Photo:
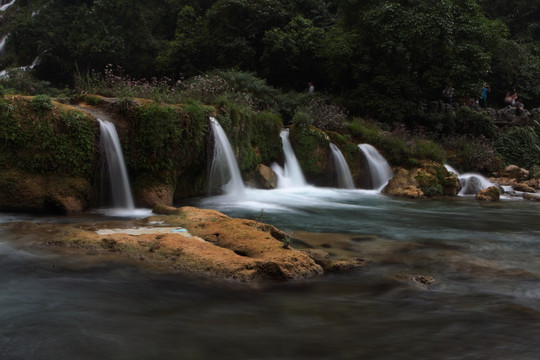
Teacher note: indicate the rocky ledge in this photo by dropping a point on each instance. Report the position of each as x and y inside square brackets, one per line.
[186, 240]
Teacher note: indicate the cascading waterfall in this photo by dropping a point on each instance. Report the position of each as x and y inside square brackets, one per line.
[379, 169]
[118, 177]
[344, 177]
[3, 44]
[291, 175]
[5, 6]
[470, 183]
[224, 171]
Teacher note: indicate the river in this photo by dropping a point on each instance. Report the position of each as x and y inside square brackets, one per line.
[484, 303]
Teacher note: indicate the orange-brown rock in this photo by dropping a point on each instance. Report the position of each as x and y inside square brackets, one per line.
[492, 193]
[403, 184]
[515, 172]
[523, 187]
[190, 240]
[36, 192]
[265, 178]
[152, 196]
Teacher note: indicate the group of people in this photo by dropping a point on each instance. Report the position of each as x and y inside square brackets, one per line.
[511, 97]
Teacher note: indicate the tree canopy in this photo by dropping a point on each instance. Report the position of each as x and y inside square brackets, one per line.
[380, 58]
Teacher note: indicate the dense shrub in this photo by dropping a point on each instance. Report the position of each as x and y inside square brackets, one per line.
[41, 104]
[520, 146]
[475, 123]
[468, 153]
[324, 115]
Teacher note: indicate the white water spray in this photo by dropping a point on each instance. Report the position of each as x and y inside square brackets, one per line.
[224, 171]
[5, 7]
[344, 177]
[471, 183]
[291, 175]
[379, 168]
[118, 177]
[3, 44]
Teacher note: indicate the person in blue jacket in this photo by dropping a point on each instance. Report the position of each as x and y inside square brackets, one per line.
[483, 95]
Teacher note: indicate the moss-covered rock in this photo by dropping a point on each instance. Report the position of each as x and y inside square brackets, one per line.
[431, 179]
[47, 155]
[492, 193]
[312, 149]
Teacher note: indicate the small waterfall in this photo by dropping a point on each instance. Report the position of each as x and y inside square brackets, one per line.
[470, 183]
[224, 171]
[118, 177]
[5, 7]
[344, 177]
[3, 44]
[379, 168]
[291, 175]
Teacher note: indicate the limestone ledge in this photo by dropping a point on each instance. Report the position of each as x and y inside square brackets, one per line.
[202, 242]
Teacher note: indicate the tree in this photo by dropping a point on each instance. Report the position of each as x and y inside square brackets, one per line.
[387, 56]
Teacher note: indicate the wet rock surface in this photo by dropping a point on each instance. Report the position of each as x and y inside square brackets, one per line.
[187, 240]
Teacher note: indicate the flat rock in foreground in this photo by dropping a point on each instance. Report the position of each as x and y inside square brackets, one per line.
[190, 240]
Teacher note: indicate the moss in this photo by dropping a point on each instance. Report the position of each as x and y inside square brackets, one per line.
[311, 147]
[433, 179]
[60, 141]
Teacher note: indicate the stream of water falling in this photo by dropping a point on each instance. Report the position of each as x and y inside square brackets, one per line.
[344, 178]
[7, 5]
[224, 172]
[471, 183]
[3, 44]
[117, 176]
[291, 175]
[379, 168]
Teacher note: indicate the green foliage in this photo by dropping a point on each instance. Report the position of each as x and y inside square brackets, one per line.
[389, 55]
[469, 121]
[41, 104]
[429, 184]
[520, 146]
[363, 131]
[324, 115]
[311, 146]
[471, 154]
[56, 143]
[427, 149]
[92, 100]
[265, 136]
[156, 141]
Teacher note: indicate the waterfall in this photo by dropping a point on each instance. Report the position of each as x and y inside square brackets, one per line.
[4, 7]
[118, 177]
[344, 177]
[470, 183]
[3, 44]
[291, 175]
[379, 168]
[224, 171]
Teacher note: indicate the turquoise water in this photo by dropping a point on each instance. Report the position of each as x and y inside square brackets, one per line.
[485, 303]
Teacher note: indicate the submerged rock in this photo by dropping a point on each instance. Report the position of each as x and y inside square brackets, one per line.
[421, 281]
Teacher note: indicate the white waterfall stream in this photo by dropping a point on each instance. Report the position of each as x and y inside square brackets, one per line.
[344, 177]
[379, 168]
[224, 172]
[117, 172]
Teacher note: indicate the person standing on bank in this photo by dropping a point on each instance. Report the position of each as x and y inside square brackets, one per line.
[311, 88]
[483, 95]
